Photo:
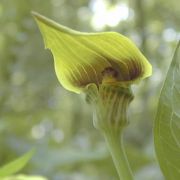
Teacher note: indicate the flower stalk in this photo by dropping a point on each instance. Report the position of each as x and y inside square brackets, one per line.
[116, 147]
[110, 103]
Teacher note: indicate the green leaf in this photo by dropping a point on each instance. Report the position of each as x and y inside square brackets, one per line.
[80, 58]
[16, 165]
[167, 122]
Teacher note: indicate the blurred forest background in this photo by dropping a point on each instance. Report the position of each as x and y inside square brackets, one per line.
[35, 111]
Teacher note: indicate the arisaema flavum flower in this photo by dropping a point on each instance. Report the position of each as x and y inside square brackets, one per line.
[97, 62]
[101, 65]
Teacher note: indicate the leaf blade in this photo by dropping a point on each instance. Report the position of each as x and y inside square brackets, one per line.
[167, 122]
[16, 164]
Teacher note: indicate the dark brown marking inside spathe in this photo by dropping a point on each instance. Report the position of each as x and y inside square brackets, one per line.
[116, 71]
[110, 71]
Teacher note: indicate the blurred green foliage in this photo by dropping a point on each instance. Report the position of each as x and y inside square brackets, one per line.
[35, 111]
[15, 165]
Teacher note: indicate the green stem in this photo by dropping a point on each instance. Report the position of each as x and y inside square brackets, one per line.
[116, 149]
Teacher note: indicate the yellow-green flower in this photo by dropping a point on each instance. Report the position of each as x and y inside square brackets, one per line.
[103, 65]
[85, 58]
